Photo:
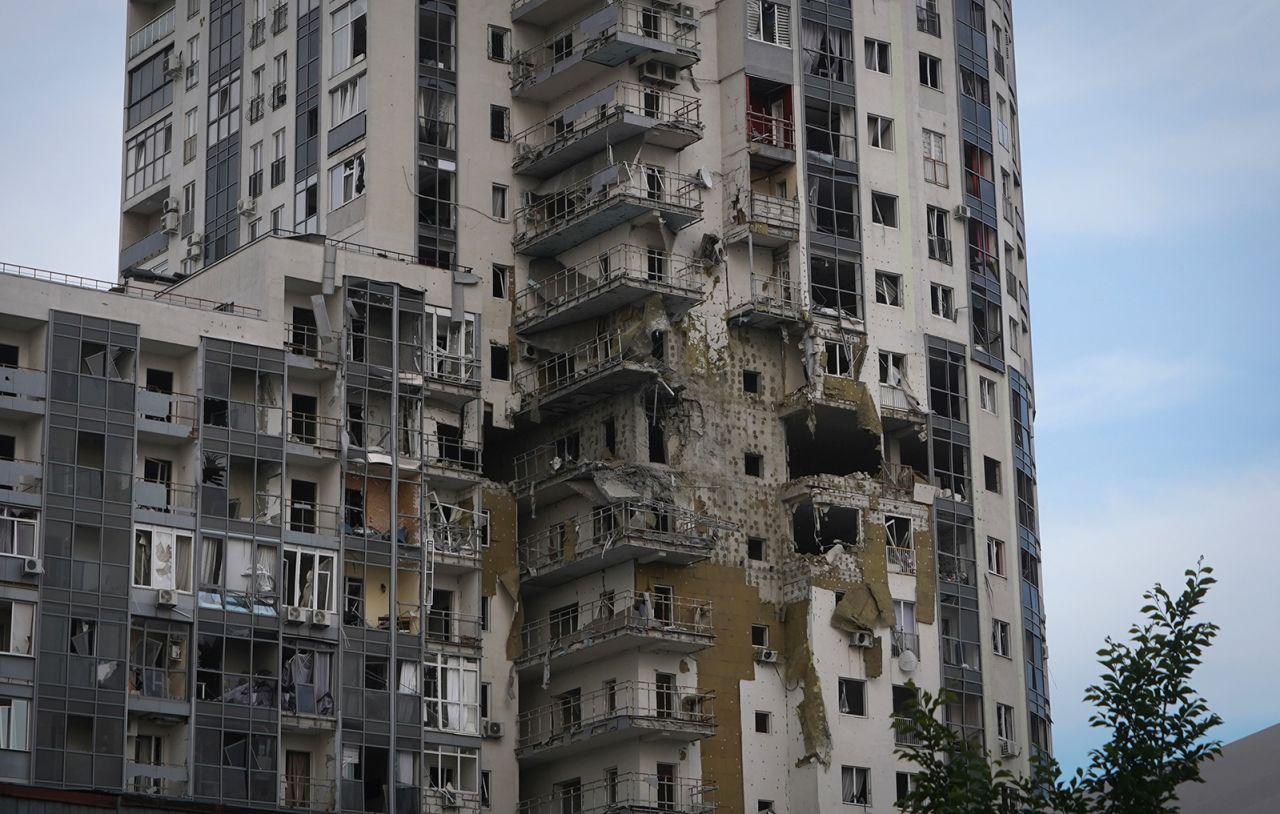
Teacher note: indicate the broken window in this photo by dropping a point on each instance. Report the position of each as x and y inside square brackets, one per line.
[889, 289]
[346, 181]
[942, 301]
[753, 464]
[501, 279]
[84, 633]
[1004, 723]
[853, 697]
[939, 235]
[836, 287]
[450, 693]
[901, 544]
[500, 362]
[1026, 491]
[935, 158]
[760, 636]
[947, 396]
[987, 395]
[884, 209]
[816, 530]
[309, 579]
[975, 87]
[829, 130]
[764, 722]
[17, 626]
[1000, 638]
[930, 71]
[162, 559]
[839, 359]
[499, 43]
[750, 381]
[951, 468]
[991, 474]
[956, 556]
[879, 132]
[755, 548]
[348, 38]
[834, 198]
[499, 123]
[995, 556]
[893, 368]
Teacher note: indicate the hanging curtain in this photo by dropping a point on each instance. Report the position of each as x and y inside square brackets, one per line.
[211, 561]
[811, 41]
[848, 149]
[323, 676]
[470, 722]
[848, 785]
[451, 674]
[22, 617]
[162, 561]
[182, 560]
[298, 773]
[408, 677]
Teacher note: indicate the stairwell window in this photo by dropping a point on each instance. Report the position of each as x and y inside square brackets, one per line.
[349, 38]
[769, 21]
[346, 181]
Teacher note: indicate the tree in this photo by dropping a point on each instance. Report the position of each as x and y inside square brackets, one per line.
[1159, 726]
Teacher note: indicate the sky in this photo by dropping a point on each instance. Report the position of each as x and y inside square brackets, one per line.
[1151, 200]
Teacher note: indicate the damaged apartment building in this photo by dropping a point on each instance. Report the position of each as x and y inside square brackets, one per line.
[548, 406]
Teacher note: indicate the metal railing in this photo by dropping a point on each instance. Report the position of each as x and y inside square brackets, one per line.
[544, 461]
[188, 149]
[170, 408]
[902, 560]
[772, 211]
[258, 32]
[626, 611]
[157, 682]
[928, 20]
[940, 249]
[556, 210]
[904, 732]
[279, 94]
[597, 530]
[22, 382]
[451, 627]
[142, 780]
[772, 131]
[628, 17]
[604, 108]
[164, 496]
[279, 18]
[776, 292]
[314, 430]
[76, 281]
[257, 106]
[573, 366]
[152, 32]
[266, 419]
[304, 793]
[304, 340]
[681, 707]
[451, 368]
[904, 642]
[451, 452]
[629, 791]
[309, 517]
[645, 266]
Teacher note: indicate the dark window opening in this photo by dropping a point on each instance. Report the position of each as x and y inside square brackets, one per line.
[755, 548]
[753, 464]
[816, 529]
[751, 381]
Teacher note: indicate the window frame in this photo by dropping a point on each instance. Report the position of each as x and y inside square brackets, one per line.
[996, 557]
[883, 292]
[1001, 638]
[877, 56]
[843, 684]
[351, 170]
[176, 536]
[343, 35]
[930, 71]
[942, 301]
[880, 132]
[884, 208]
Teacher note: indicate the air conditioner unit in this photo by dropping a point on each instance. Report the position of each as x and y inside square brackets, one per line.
[247, 206]
[320, 618]
[687, 11]
[195, 246]
[1010, 748]
[173, 65]
[172, 205]
[294, 615]
[963, 212]
[528, 351]
[765, 656]
[166, 598]
[492, 729]
[861, 638]
[656, 73]
[170, 222]
[31, 566]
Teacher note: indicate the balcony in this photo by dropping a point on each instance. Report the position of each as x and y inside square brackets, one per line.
[619, 532]
[632, 710]
[303, 793]
[141, 251]
[771, 133]
[928, 20]
[609, 116]
[306, 520]
[601, 285]
[548, 466]
[767, 220]
[582, 376]
[165, 418]
[257, 108]
[452, 463]
[156, 779]
[450, 378]
[163, 502]
[627, 621]
[243, 416]
[549, 224]
[258, 32]
[628, 793]
[898, 402]
[904, 642]
[160, 27]
[21, 481]
[774, 301]
[311, 437]
[617, 34]
[446, 627]
[22, 393]
[897, 476]
[279, 18]
[543, 12]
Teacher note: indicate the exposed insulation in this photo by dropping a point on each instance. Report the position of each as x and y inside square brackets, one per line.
[926, 574]
[499, 564]
[801, 672]
[873, 658]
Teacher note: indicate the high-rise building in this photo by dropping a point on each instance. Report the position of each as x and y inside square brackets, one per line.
[541, 406]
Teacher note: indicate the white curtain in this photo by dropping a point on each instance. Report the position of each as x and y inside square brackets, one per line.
[211, 561]
[408, 682]
[21, 622]
[470, 721]
[848, 785]
[811, 42]
[848, 130]
[162, 560]
[451, 676]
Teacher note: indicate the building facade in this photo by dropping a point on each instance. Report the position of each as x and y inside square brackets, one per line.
[547, 406]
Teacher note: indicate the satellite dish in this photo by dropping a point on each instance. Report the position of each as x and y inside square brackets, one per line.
[908, 662]
[704, 177]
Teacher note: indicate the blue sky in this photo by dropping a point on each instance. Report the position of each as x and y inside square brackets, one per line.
[1152, 183]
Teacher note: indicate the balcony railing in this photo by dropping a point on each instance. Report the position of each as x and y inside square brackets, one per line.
[243, 416]
[91, 284]
[169, 408]
[771, 131]
[899, 476]
[451, 627]
[904, 642]
[309, 517]
[157, 779]
[279, 94]
[279, 18]
[454, 540]
[902, 560]
[542, 462]
[164, 497]
[550, 223]
[775, 299]
[257, 106]
[258, 32]
[622, 267]
[157, 682]
[23, 383]
[304, 340]
[928, 20]
[307, 794]
[456, 369]
[904, 732]
[630, 791]
[309, 429]
[768, 216]
[160, 27]
[608, 116]
[649, 706]
[646, 524]
[452, 453]
[553, 376]
[627, 612]
[597, 40]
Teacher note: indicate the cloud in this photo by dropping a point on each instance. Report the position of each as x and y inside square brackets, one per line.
[1098, 562]
[1116, 385]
